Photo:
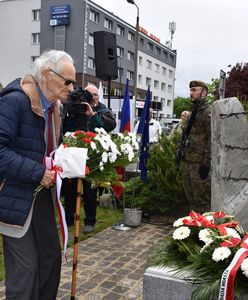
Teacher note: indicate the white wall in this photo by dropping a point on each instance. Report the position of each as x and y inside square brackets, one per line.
[16, 27]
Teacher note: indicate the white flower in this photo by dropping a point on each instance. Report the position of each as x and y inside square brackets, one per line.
[209, 218]
[179, 222]
[221, 253]
[112, 157]
[121, 135]
[93, 145]
[101, 166]
[181, 233]
[232, 232]
[205, 235]
[244, 267]
[70, 135]
[105, 157]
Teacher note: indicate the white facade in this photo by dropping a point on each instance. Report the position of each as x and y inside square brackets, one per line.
[19, 32]
[160, 77]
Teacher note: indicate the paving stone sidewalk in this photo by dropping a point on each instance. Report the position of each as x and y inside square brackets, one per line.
[111, 264]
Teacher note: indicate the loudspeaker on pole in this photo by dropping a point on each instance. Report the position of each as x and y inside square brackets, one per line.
[105, 55]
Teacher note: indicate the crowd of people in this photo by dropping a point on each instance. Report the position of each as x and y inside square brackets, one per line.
[35, 111]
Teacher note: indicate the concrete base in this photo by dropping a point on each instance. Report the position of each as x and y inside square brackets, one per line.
[163, 284]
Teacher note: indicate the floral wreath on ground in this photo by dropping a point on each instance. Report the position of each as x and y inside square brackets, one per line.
[213, 248]
[105, 152]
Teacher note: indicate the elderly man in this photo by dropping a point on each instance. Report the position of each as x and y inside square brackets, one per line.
[29, 130]
[195, 147]
[95, 115]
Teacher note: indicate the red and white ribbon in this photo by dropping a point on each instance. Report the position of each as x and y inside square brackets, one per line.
[49, 164]
[228, 276]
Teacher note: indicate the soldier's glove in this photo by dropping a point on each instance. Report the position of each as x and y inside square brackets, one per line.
[203, 171]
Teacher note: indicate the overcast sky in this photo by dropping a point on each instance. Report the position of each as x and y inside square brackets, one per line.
[210, 34]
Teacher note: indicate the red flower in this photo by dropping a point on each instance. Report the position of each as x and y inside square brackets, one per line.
[76, 133]
[219, 214]
[65, 145]
[230, 243]
[90, 134]
[87, 170]
[86, 140]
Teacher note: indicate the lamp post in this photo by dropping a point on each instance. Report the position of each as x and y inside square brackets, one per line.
[135, 55]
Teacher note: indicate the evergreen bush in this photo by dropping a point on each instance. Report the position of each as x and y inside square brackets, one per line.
[163, 189]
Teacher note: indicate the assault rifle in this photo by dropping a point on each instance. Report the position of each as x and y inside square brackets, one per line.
[180, 151]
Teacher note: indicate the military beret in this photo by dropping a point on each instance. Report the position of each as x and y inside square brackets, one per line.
[195, 83]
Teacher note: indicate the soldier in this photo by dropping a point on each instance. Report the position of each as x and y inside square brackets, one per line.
[194, 150]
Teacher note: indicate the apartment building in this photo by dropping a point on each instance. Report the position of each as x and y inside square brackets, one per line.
[20, 37]
[69, 25]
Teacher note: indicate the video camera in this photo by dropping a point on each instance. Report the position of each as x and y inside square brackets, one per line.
[76, 101]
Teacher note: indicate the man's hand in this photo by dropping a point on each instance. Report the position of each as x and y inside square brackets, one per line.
[48, 179]
[89, 111]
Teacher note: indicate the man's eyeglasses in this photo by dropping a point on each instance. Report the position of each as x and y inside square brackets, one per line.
[67, 81]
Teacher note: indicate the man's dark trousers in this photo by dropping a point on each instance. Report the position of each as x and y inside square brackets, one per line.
[89, 200]
[33, 262]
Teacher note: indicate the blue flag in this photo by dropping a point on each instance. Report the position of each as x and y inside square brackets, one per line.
[143, 129]
[125, 112]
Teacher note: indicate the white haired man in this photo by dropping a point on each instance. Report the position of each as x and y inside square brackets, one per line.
[29, 130]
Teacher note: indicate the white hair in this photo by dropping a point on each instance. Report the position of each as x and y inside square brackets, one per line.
[50, 59]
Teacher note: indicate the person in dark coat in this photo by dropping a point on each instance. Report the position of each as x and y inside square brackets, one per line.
[95, 115]
[30, 121]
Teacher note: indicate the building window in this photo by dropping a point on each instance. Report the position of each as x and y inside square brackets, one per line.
[117, 92]
[91, 63]
[140, 60]
[140, 79]
[155, 98]
[141, 42]
[158, 51]
[149, 64]
[91, 39]
[170, 89]
[35, 38]
[171, 58]
[120, 51]
[94, 16]
[164, 71]
[120, 30]
[148, 81]
[33, 58]
[36, 14]
[157, 68]
[163, 86]
[150, 47]
[169, 102]
[156, 84]
[120, 72]
[130, 55]
[131, 36]
[108, 24]
[170, 74]
[165, 54]
[130, 75]
[105, 90]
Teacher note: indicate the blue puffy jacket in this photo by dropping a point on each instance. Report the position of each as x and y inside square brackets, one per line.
[22, 149]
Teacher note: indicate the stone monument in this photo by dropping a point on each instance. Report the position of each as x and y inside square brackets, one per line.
[229, 177]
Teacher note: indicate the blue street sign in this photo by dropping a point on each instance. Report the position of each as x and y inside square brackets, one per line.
[60, 10]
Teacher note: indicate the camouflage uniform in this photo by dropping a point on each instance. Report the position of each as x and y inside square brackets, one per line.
[197, 160]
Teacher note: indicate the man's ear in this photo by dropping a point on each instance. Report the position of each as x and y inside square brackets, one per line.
[45, 75]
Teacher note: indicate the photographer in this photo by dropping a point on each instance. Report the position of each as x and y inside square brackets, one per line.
[84, 112]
